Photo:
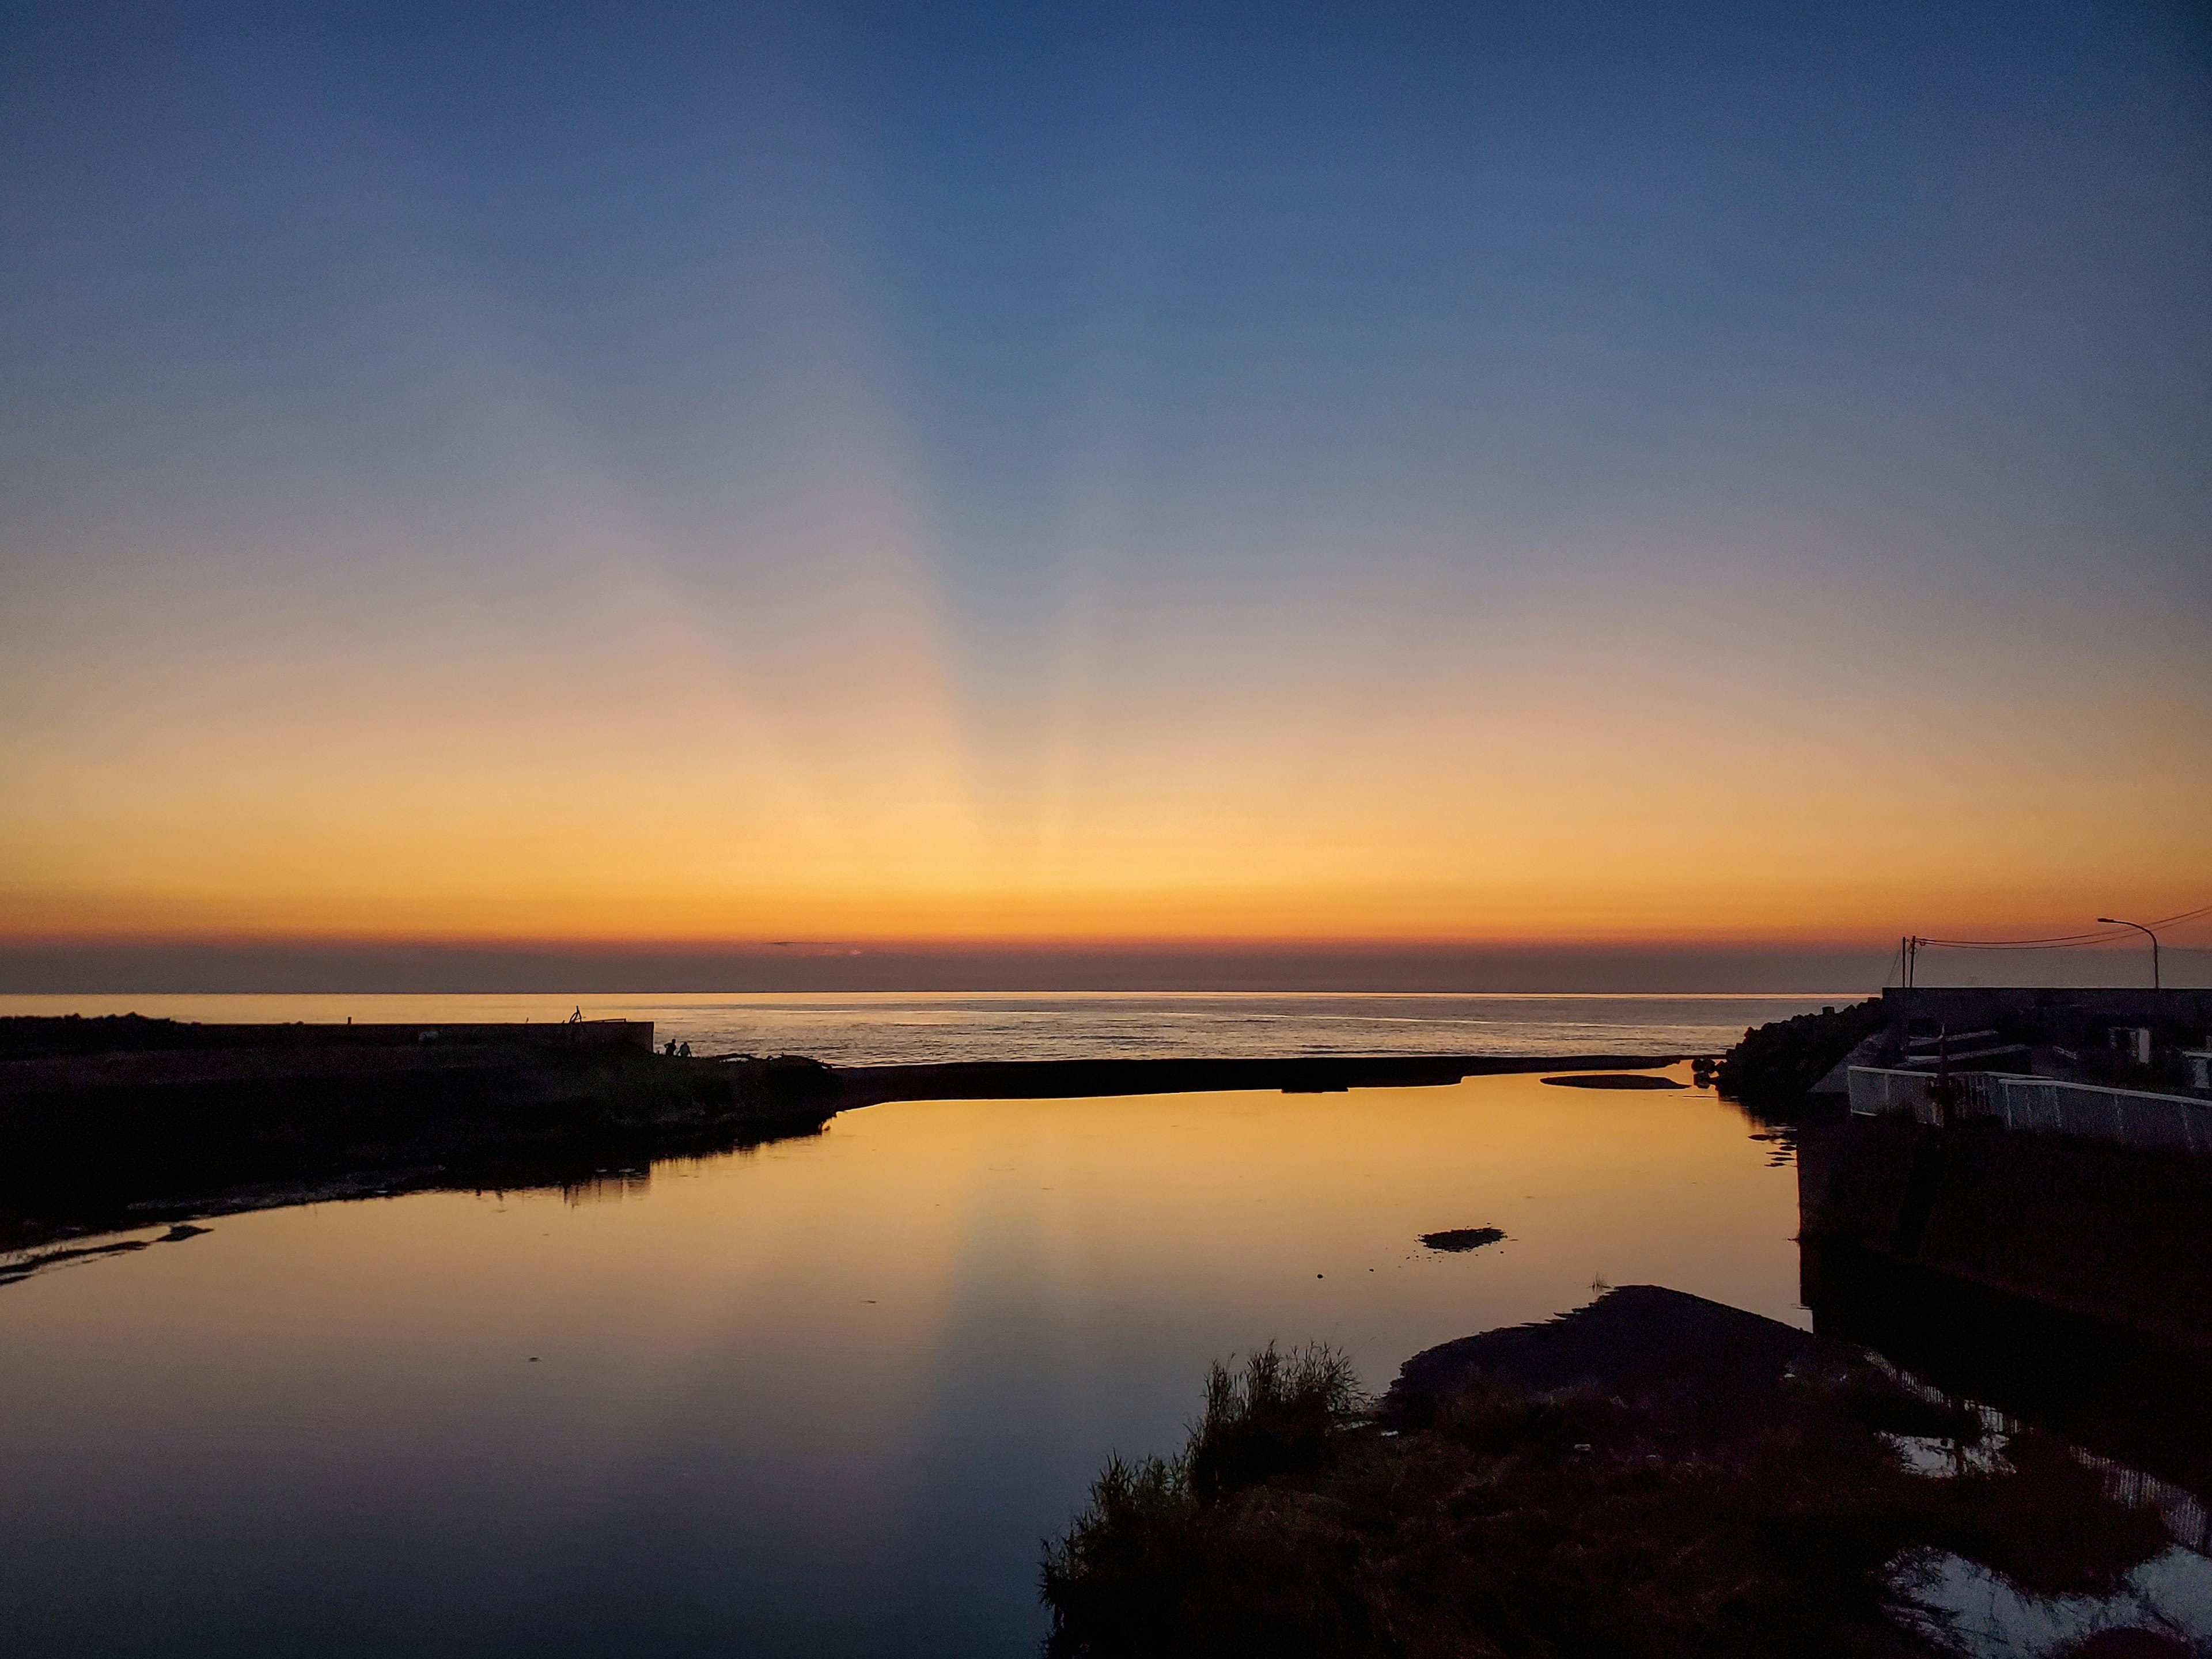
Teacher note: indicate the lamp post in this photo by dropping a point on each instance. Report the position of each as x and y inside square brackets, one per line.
[2114, 921]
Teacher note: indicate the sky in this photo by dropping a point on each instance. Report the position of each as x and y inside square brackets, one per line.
[1060, 478]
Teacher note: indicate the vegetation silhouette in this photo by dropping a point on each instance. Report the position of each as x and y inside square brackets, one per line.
[1593, 1520]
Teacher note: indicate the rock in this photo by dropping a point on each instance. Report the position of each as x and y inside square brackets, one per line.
[1463, 1238]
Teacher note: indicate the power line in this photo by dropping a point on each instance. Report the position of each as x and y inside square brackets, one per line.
[2062, 941]
[1895, 970]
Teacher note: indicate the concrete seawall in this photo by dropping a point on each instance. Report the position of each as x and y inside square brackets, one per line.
[2106, 1231]
[2068, 1284]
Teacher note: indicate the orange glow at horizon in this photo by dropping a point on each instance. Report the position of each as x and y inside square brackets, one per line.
[1182, 545]
[659, 789]
[612, 740]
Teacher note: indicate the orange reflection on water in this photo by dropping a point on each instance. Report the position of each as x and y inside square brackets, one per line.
[790, 1399]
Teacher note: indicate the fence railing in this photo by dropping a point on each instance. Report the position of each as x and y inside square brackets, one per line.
[1876, 1092]
[2042, 1105]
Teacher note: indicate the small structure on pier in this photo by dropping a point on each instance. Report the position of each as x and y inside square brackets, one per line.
[2093, 1063]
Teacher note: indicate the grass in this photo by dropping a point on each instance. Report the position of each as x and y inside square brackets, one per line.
[1551, 1526]
[1132, 1575]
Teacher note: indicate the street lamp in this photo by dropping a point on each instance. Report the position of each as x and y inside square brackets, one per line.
[2114, 921]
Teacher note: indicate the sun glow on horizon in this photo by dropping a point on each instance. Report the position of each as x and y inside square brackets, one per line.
[803, 523]
[673, 796]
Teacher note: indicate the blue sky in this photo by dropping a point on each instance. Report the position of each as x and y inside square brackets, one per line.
[1031, 388]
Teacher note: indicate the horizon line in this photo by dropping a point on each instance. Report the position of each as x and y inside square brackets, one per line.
[297, 967]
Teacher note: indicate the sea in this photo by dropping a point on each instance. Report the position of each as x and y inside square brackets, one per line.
[892, 1029]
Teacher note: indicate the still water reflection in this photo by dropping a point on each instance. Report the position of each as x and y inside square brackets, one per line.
[822, 1398]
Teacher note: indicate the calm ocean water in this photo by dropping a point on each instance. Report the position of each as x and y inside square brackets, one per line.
[884, 1027]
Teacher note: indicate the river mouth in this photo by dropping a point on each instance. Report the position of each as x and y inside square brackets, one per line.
[823, 1396]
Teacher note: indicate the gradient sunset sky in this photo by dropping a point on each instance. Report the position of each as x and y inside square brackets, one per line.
[1514, 475]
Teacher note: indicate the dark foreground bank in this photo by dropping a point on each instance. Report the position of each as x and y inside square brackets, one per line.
[124, 1121]
[1654, 1475]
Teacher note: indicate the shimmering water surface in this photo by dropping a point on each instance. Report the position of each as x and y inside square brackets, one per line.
[823, 1398]
[883, 1027]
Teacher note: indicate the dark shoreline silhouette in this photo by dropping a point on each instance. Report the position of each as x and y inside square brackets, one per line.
[122, 1123]
[1652, 1474]
[1045, 1079]
[1656, 1473]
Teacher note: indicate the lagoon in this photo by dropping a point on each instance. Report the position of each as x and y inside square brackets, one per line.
[824, 1397]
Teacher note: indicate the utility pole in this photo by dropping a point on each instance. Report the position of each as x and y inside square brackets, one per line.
[2114, 921]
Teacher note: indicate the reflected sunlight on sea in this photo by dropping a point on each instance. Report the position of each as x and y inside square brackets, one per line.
[886, 1028]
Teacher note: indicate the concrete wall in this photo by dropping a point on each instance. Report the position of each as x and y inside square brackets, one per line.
[2107, 1230]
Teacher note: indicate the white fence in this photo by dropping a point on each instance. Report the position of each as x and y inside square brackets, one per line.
[1876, 1092]
[2040, 1105]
